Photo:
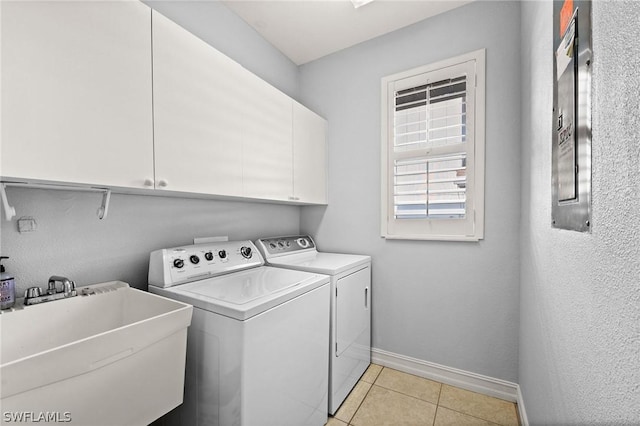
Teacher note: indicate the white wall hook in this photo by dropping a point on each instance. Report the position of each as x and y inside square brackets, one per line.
[9, 211]
[104, 207]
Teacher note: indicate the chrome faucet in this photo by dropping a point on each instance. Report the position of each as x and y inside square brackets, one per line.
[34, 295]
[68, 286]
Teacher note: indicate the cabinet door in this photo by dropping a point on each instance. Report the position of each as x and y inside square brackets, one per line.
[76, 92]
[267, 167]
[309, 156]
[197, 113]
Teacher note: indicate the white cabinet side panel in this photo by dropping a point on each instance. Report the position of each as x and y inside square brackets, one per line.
[309, 155]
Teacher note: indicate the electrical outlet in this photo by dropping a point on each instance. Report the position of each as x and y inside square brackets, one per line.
[27, 224]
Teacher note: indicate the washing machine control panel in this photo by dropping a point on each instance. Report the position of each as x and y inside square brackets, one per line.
[278, 246]
[179, 265]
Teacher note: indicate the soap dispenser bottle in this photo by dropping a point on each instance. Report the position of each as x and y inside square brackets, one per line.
[7, 287]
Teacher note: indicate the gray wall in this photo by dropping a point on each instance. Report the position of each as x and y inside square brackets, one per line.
[214, 23]
[450, 303]
[71, 241]
[580, 298]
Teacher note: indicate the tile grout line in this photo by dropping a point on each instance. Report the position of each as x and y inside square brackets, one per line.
[435, 416]
[360, 405]
[365, 395]
[406, 394]
[471, 415]
[475, 416]
[438, 402]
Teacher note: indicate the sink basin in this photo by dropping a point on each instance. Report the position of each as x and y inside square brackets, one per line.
[112, 357]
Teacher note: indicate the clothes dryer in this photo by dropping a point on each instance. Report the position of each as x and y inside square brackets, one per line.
[350, 330]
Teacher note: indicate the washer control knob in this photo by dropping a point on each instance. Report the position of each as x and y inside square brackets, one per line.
[209, 256]
[303, 242]
[194, 259]
[222, 254]
[246, 252]
[178, 263]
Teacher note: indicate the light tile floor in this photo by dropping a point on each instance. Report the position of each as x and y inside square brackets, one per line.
[387, 397]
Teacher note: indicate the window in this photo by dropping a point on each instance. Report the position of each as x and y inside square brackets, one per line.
[433, 151]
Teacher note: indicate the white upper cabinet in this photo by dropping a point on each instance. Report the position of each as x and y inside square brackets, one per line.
[76, 92]
[309, 156]
[111, 94]
[197, 113]
[267, 167]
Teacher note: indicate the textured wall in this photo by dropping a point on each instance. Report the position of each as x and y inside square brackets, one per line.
[446, 302]
[71, 241]
[580, 297]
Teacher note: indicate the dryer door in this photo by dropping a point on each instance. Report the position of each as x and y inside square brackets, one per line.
[353, 314]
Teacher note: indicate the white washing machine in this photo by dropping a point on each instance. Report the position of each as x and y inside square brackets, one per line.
[350, 340]
[256, 347]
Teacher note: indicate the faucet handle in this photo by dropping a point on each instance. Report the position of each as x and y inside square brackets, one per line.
[51, 287]
[32, 292]
[70, 288]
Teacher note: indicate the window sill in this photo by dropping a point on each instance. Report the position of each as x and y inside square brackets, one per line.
[434, 237]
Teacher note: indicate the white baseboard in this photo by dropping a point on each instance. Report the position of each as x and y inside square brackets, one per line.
[485, 385]
[524, 420]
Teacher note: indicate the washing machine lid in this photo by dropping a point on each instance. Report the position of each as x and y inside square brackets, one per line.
[242, 295]
[321, 263]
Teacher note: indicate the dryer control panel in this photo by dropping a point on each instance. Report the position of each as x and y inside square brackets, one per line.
[278, 246]
[179, 265]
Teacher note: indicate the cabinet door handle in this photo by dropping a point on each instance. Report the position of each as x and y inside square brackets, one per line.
[162, 183]
[148, 182]
[366, 297]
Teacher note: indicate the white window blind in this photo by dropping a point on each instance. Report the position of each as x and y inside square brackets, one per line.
[430, 188]
[430, 151]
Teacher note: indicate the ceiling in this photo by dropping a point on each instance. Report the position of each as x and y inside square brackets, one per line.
[305, 30]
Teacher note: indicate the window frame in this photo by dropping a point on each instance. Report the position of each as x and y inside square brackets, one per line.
[471, 228]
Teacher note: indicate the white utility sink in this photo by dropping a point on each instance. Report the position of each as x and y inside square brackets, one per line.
[114, 357]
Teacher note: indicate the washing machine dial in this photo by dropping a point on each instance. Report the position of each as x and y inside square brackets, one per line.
[222, 254]
[303, 242]
[194, 259]
[209, 256]
[178, 263]
[246, 252]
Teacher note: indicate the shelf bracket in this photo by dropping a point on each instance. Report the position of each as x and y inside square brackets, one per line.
[104, 207]
[9, 211]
